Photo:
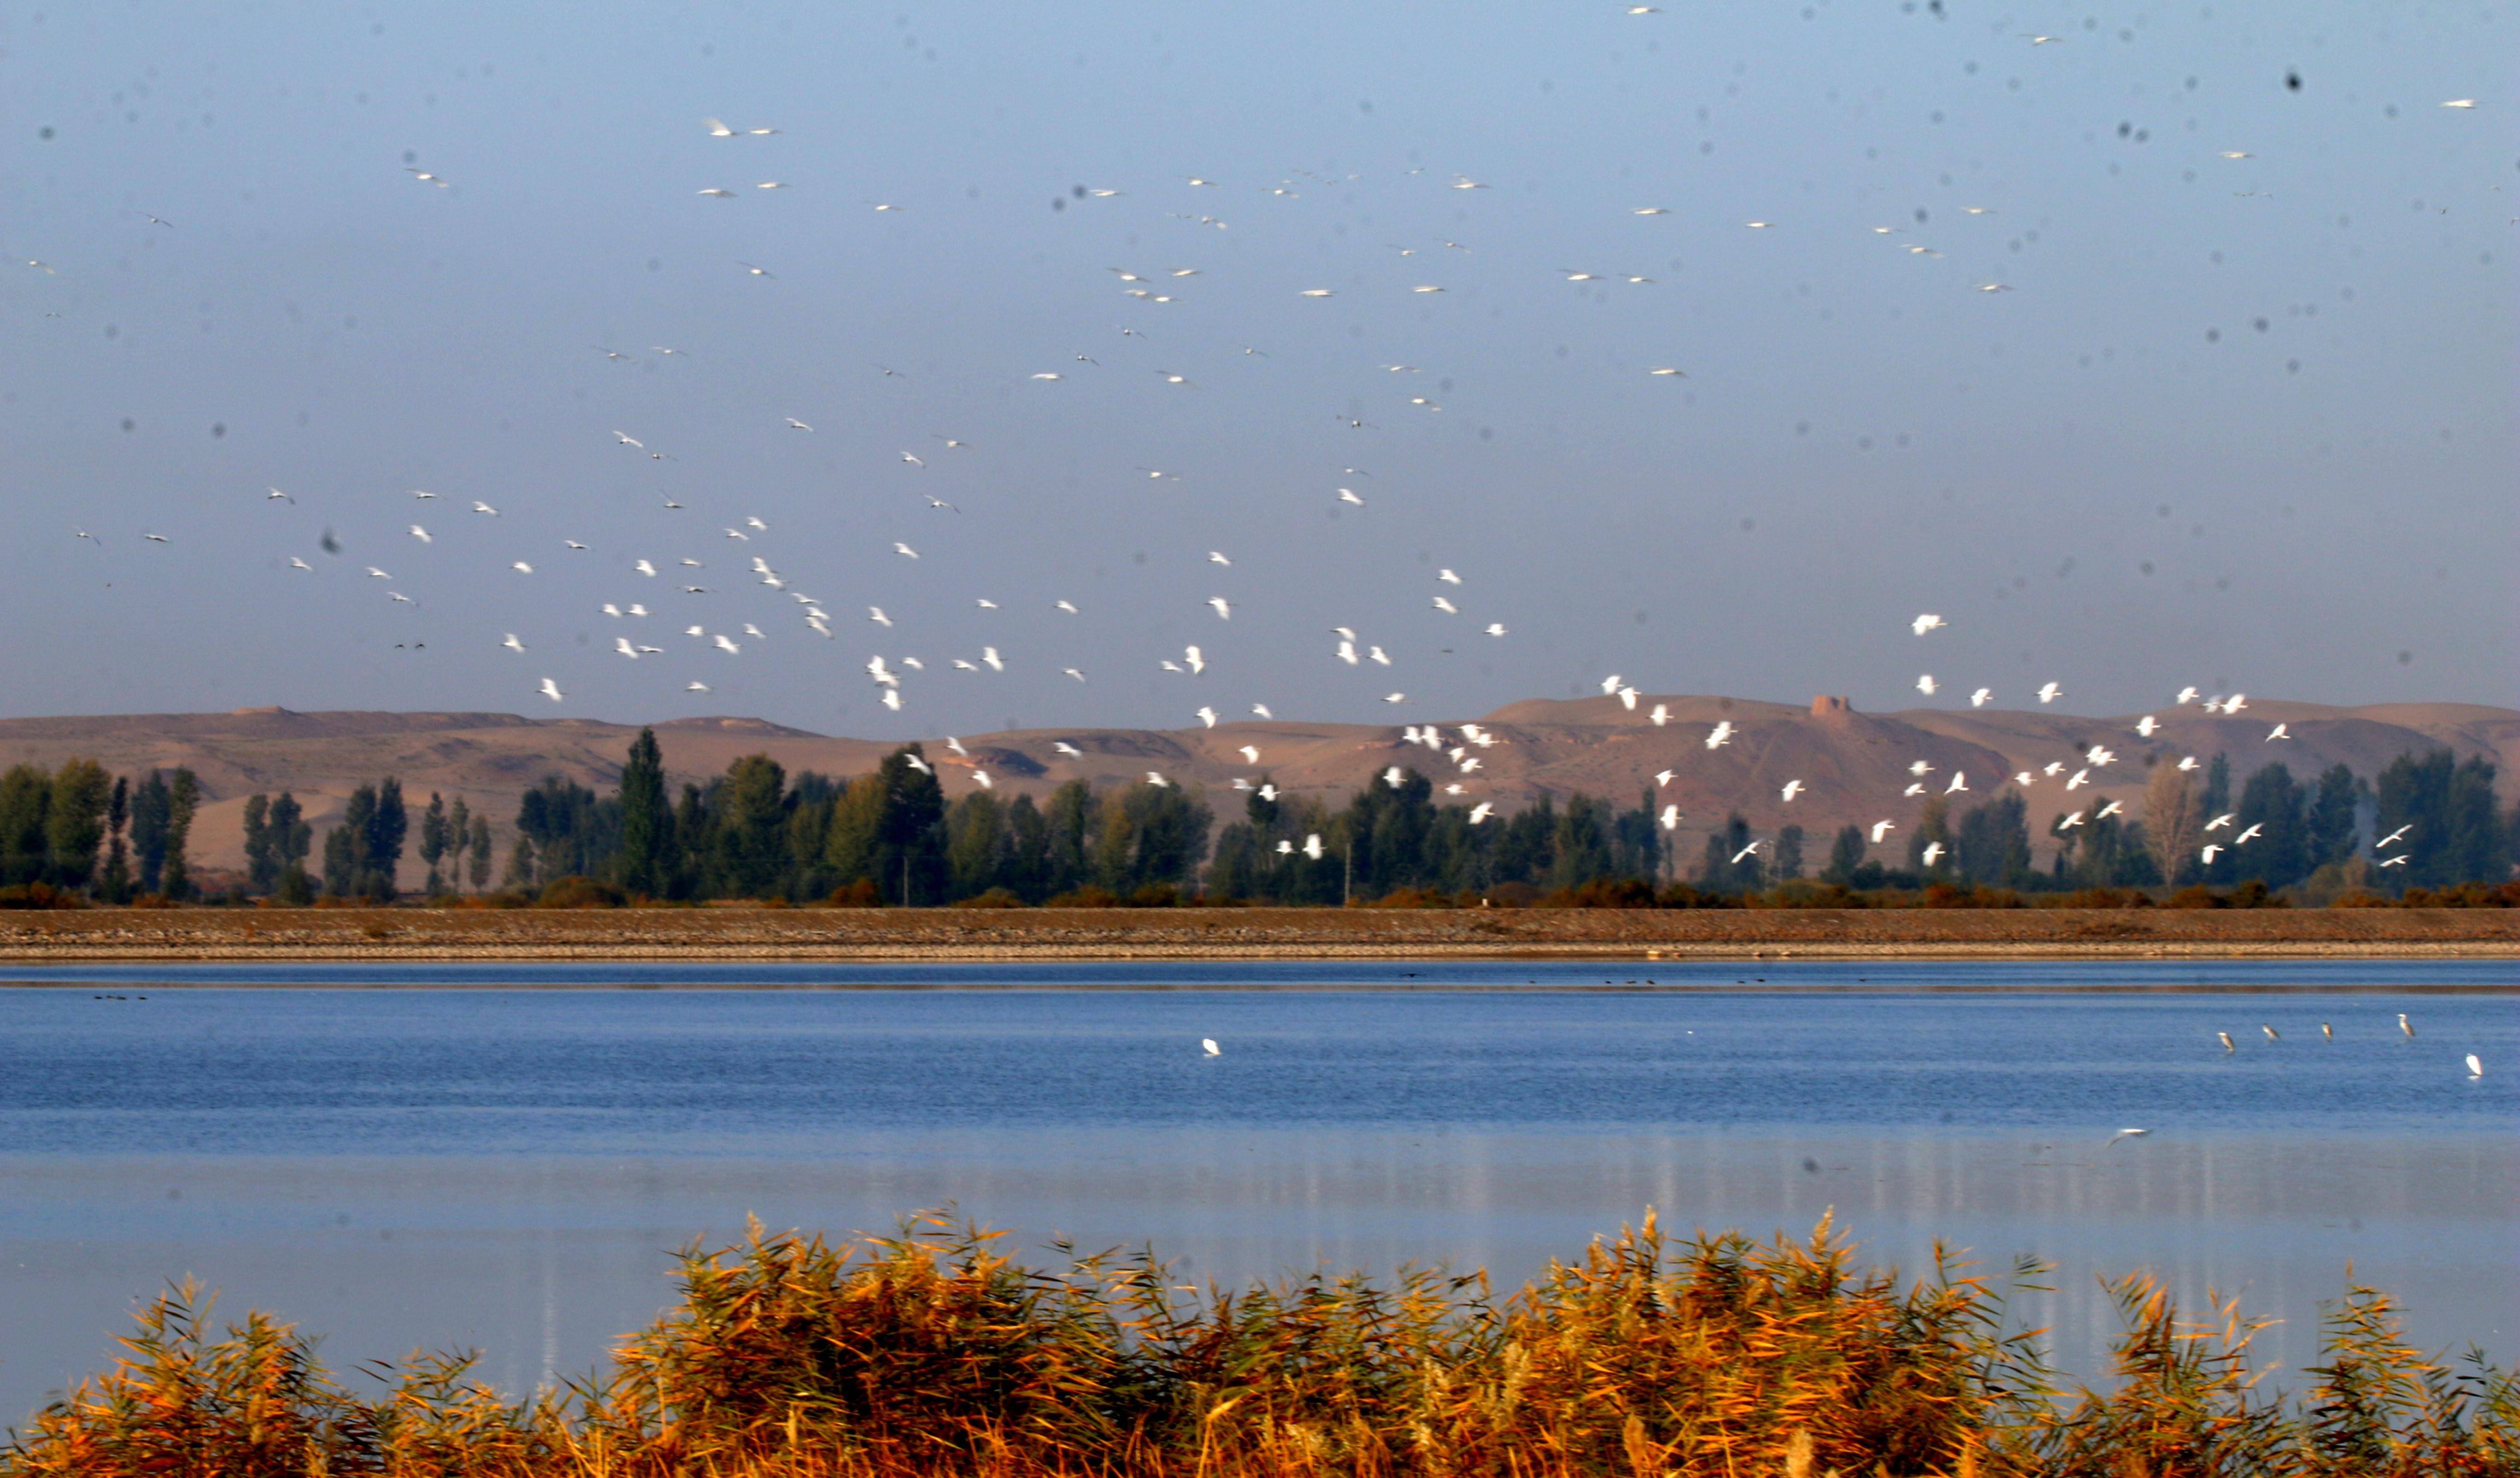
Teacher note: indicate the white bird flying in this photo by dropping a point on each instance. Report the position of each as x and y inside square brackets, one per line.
[2392, 838]
[1793, 787]
[2072, 820]
[420, 534]
[2049, 693]
[1448, 577]
[796, 424]
[904, 550]
[2279, 731]
[1250, 754]
[1223, 607]
[1925, 684]
[1928, 622]
[1661, 714]
[695, 686]
[1981, 697]
[1447, 607]
[1348, 495]
[1721, 735]
[551, 690]
[1067, 749]
[1744, 852]
[2145, 725]
[1496, 628]
[1662, 777]
[1066, 607]
[1882, 829]
[2222, 821]
[511, 644]
[1610, 683]
[1262, 709]
[1156, 777]
[2212, 851]
[521, 568]
[1932, 854]
[1669, 818]
[1959, 782]
[480, 507]
[1482, 812]
[1207, 716]
[2187, 695]
[2186, 762]
[1195, 661]
[2249, 835]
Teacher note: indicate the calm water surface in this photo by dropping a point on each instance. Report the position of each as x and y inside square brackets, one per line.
[455, 1163]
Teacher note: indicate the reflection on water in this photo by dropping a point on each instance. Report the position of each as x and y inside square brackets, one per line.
[511, 1170]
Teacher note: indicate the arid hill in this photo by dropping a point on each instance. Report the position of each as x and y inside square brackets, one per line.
[1854, 766]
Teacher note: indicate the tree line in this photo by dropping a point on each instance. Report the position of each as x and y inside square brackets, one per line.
[891, 838]
[78, 831]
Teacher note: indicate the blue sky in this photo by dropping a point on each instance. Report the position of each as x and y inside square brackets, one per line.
[2234, 422]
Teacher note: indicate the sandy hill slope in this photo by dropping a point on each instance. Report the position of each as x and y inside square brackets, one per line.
[1853, 765]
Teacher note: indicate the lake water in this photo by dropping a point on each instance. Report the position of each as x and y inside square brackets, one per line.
[465, 1162]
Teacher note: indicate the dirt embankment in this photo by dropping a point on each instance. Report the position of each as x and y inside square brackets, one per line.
[874, 934]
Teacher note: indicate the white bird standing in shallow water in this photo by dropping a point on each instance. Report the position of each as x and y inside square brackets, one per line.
[2405, 1025]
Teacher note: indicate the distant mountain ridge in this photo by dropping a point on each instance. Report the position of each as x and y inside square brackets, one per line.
[1854, 766]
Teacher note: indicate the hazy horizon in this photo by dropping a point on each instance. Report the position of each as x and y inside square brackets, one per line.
[2242, 422]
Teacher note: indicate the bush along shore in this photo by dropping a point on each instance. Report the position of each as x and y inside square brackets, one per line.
[932, 1353]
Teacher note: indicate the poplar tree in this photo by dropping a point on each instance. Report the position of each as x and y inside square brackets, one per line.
[81, 792]
[646, 821]
[261, 863]
[183, 798]
[117, 883]
[433, 843]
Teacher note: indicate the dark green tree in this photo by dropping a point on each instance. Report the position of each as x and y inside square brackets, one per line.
[380, 842]
[25, 801]
[1845, 855]
[1790, 853]
[183, 799]
[750, 857]
[261, 865]
[480, 851]
[1992, 846]
[76, 824]
[909, 829]
[115, 884]
[647, 820]
[151, 803]
[432, 844]
[2333, 813]
[290, 838]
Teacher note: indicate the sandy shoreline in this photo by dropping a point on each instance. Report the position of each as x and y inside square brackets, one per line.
[1083, 934]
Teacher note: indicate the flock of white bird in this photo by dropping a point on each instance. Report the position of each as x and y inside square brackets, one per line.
[678, 606]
